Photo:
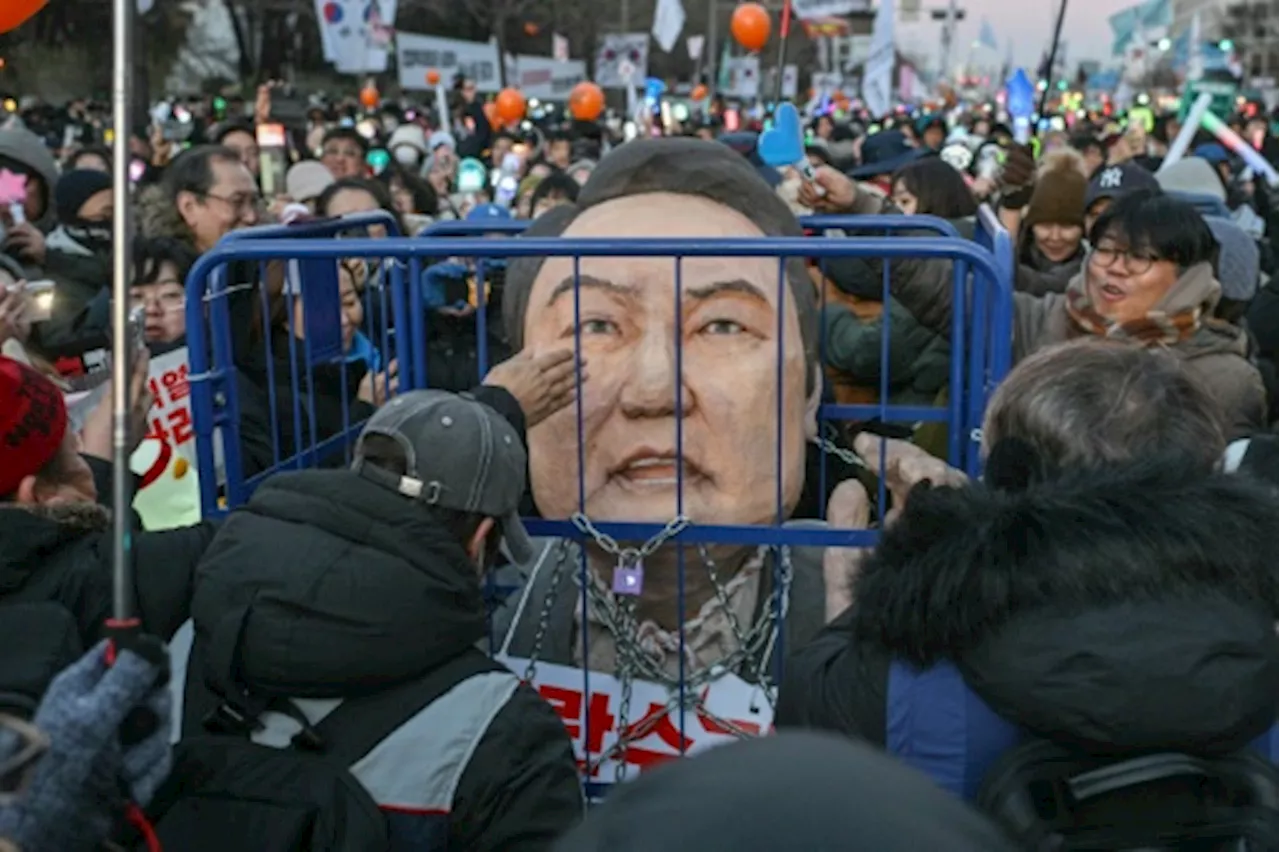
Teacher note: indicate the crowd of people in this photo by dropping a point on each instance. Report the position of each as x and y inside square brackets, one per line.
[1079, 643]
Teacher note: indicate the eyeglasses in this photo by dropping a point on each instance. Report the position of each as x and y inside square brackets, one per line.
[1134, 264]
[239, 203]
[21, 746]
[165, 300]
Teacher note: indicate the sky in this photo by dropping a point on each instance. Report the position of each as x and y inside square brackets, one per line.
[1028, 22]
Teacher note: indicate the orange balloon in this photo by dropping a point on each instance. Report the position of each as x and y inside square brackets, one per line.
[699, 92]
[751, 26]
[586, 101]
[491, 113]
[15, 13]
[510, 104]
[369, 97]
[433, 77]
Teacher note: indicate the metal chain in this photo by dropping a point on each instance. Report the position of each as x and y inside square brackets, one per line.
[617, 614]
[630, 555]
[544, 615]
[847, 456]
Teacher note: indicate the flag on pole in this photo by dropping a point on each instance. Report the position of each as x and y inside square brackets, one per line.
[877, 78]
[668, 22]
[987, 36]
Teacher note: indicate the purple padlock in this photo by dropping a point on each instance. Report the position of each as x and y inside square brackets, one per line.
[628, 578]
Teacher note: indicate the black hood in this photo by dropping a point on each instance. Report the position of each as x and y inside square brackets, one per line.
[30, 536]
[332, 585]
[797, 790]
[1114, 609]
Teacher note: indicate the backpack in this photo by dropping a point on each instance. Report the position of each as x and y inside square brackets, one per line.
[227, 792]
[1051, 799]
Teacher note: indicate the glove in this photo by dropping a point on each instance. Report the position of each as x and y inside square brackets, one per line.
[75, 794]
[1017, 177]
[146, 764]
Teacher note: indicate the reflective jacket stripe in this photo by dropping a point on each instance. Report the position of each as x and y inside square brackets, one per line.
[418, 766]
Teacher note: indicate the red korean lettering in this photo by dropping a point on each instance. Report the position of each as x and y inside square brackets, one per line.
[157, 395]
[599, 721]
[568, 706]
[158, 431]
[175, 381]
[180, 422]
[646, 759]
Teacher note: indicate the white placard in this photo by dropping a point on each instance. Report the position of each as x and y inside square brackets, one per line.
[744, 77]
[545, 79]
[809, 9]
[355, 34]
[619, 48]
[728, 703]
[418, 54]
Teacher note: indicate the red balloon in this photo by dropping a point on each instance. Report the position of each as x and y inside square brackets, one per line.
[433, 77]
[510, 104]
[491, 113]
[369, 97]
[699, 92]
[586, 101]
[15, 13]
[751, 26]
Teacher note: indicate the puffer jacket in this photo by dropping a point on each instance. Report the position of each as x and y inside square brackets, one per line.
[340, 588]
[81, 276]
[1118, 609]
[1216, 352]
[1036, 275]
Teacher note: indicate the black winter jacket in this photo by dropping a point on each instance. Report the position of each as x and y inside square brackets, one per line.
[1115, 609]
[62, 554]
[342, 588]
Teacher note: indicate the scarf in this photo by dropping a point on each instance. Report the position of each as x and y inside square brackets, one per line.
[1156, 328]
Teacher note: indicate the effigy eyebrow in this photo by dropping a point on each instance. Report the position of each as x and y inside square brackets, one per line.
[590, 282]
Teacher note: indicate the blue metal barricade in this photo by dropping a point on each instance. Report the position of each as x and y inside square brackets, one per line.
[980, 290]
[213, 362]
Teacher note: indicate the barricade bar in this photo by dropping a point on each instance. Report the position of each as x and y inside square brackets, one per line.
[778, 536]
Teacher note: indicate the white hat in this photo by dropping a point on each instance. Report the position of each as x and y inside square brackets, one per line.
[306, 180]
[408, 134]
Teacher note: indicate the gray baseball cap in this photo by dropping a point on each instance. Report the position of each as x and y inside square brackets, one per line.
[461, 454]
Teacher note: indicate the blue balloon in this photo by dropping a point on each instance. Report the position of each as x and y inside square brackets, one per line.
[1020, 95]
[654, 88]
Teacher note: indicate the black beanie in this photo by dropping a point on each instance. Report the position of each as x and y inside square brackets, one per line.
[75, 188]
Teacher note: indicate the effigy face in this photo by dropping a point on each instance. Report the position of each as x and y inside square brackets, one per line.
[728, 328]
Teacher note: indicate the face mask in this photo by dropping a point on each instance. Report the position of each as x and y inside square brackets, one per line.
[94, 236]
[406, 156]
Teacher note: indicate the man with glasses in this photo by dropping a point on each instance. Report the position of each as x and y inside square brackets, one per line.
[212, 194]
[343, 153]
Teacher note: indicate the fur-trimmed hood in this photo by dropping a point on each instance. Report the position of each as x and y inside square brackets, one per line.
[159, 217]
[1132, 608]
[28, 534]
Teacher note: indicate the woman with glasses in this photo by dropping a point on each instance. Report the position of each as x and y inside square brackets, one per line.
[160, 267]
[1149, 278]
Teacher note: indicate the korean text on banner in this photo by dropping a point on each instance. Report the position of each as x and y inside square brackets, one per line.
[418, 54]
[545, 79]
[726, 710]
[618, 53]
[169, 495]
[807, 9]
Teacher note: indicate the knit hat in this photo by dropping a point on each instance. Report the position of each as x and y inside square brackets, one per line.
[1058, 197]
[1192, 175]
[305, 181]
[409, 134]
[75, 188]
[1238, 259]
[33, 422]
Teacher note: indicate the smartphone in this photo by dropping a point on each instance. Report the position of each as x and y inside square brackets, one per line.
[137, 168]
[273, 157]
[138, 328]
[41, 293]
